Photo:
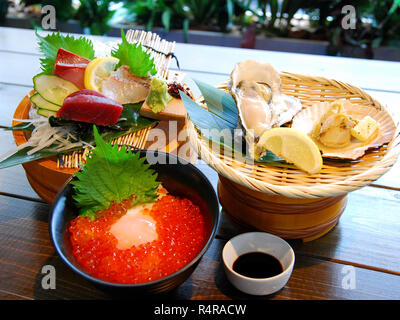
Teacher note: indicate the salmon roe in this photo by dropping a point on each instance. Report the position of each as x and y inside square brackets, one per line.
[180, 229]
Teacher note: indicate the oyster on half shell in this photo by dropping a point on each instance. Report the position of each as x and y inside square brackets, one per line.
[256, 88]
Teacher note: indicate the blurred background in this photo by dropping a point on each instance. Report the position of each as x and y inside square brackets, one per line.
[305, 26]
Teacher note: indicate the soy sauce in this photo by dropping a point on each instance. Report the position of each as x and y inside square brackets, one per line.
[257, 265]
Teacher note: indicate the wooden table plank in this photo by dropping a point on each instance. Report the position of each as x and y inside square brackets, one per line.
[13, 180]
[25, 248]
[368, 74]
[24, 67]
[366, 238]
[10, 96]
[370, 211]
[366, 235]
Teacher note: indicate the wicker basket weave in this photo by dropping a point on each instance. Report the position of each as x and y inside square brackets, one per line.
[335, 178]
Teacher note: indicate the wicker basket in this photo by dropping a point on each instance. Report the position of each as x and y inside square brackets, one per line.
[261, 185]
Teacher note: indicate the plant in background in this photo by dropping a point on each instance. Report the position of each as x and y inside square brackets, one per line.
[180, 14]
[274, 16]
[158, 13]
[95, 15]
[64, 8]
[383, 28]
[243, 13]
[3, 9]
[206, 13]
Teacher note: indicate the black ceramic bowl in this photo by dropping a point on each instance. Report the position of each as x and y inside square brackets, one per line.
[183, 180]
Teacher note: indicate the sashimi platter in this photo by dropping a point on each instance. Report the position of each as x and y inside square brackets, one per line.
[287, 148]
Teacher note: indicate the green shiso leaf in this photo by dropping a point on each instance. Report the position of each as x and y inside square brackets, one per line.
[50, 44]
[132, 54]
[219, 123]
[112, 175]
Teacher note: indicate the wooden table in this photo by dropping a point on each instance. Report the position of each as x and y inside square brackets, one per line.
[365, 243]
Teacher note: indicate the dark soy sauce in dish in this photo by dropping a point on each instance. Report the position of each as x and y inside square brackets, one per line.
[257, 265]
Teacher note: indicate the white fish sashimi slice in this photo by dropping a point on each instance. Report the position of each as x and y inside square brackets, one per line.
[123, 87]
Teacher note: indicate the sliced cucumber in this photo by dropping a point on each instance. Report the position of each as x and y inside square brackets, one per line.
[52, 88]
[46, 113]
[44, 104]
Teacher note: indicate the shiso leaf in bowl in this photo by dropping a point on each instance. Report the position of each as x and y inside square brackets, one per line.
[112, 174]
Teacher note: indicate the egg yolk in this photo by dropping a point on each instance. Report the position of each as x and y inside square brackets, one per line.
[136, 227]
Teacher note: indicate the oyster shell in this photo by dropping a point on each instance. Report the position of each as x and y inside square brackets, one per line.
[309, 121]
[256, 88]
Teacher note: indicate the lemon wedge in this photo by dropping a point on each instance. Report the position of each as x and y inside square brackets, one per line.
[98, 70]
[293, 146]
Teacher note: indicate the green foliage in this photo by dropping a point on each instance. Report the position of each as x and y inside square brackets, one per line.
[132, 55]
[378, 21]
[50, 44]
[112, 175]
[95, 15]
[181, 14]
[384, 28]
[156, 13]
[92, 14]
[275, 16]
[3, 9]
[64, 8]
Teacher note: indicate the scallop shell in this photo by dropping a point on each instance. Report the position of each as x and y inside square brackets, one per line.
[306, 120]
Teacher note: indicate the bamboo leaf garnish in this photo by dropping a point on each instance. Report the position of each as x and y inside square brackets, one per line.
[221, 115]
[132, 122]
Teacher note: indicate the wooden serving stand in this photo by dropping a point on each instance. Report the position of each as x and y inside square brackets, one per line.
[46, 178]
[283, 200]
[288, 218]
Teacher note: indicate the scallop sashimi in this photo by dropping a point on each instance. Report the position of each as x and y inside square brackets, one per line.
[332, 126]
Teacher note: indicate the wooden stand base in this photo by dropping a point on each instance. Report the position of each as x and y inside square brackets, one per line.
[289, 218]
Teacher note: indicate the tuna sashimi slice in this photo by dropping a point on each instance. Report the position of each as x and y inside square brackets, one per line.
[71, 67]
[90, 106]
[67, 57]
